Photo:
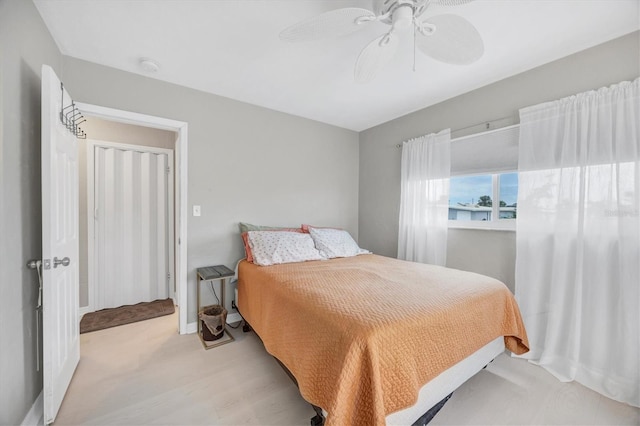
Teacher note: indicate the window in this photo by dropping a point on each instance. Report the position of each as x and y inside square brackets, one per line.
[484, 185]
[471, 200]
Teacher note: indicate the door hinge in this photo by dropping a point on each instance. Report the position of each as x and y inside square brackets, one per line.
[168, 169]
[168, 277]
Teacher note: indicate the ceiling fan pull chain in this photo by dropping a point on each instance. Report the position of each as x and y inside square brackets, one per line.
[414, 48]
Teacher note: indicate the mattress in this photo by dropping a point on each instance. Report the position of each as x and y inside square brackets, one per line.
[363, 335]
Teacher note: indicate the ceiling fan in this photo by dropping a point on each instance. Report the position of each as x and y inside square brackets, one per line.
[447, 38]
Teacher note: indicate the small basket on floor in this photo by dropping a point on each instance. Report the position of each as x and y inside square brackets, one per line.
[213, 319]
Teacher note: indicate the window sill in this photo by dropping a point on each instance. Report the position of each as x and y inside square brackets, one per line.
[483, 226]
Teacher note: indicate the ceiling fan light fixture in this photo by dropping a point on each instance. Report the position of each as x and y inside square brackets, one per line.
[402, 17]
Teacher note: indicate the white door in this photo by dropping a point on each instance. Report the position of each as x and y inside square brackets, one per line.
[132, 226]
[61, 338]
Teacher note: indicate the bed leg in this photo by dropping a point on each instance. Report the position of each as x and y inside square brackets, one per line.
[429, 415]
[318, 419]
[246, 327]
[487, 364]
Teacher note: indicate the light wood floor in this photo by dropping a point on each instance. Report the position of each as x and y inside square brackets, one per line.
[145, 373]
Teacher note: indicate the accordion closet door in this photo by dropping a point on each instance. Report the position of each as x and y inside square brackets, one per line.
[133, 226]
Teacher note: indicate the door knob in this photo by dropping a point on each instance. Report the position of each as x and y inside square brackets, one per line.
[64, 261]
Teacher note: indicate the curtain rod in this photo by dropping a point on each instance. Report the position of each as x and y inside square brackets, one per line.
[487, 125]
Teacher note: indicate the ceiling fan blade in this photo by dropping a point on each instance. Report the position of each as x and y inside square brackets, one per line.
[452, 2]
[334, 23]
[454, 41]
[374, 57]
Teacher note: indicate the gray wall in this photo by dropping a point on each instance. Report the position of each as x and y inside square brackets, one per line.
[111, 131]
[486, 252]
[246, 163]
[599, 66]
[25, 44]
[102, 130]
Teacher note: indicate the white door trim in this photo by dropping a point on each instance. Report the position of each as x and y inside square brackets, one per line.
[181, 176]
[130, 147]
[91, 261]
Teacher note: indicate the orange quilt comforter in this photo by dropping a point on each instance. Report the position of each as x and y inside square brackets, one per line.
[363, 334]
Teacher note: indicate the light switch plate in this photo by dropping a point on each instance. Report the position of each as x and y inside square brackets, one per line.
[196, 210]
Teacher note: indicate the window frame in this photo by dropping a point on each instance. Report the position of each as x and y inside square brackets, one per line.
[493, 224]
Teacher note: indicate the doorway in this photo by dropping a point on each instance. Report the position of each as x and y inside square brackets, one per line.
[130, 242]
[167, 153]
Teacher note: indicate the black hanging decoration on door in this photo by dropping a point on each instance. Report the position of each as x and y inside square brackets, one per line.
[71, 117]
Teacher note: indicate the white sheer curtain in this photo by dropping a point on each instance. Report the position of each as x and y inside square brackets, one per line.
[578, 238]
[424, 198]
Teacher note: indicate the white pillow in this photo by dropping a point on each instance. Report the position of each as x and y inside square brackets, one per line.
[335, 243]
[272, 248]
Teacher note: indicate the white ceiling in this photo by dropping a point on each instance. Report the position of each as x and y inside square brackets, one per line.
[231, 48]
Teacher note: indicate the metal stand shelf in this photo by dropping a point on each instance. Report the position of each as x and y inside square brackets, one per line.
[214, 273]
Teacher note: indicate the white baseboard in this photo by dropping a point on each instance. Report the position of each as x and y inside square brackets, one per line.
[192, 327]
[35, 416]
[84, 310]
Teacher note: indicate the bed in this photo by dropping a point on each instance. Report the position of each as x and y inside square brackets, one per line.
[374, 340]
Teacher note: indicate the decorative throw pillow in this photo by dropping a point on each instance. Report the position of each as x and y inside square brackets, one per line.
[335, 243]
[305, 227]
[275, 247]
[246, 227]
